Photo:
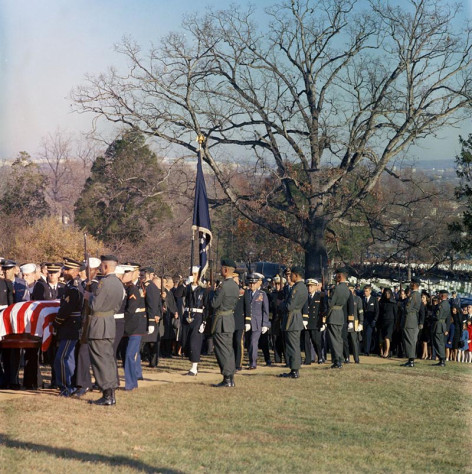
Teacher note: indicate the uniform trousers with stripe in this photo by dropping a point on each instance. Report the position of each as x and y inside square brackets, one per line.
[238, 347]
[64, 363]
[194, 340]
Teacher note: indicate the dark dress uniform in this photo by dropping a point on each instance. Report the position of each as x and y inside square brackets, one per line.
[316, 311]
[153, 304]
[195, 313]
[355, 317]
[6, 299]
[440, 327]
[170, 308]
[256, 314]
[238, 343]
[292, 325]
[104, 303]
[222, 328]
[135, 327]
[336, 319]
[277, 304]
[371, 315]
[67, 325]
[410, 326]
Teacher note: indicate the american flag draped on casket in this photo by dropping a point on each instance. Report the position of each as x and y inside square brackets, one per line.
[31, 317]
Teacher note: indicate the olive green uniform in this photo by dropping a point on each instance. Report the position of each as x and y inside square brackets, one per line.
[292, 323]
[222, 328]
[336, 320]
[440, 328]
[410, 324]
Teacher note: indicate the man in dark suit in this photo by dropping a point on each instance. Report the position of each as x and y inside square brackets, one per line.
[256, 316]
[355, 321]
[371, 315]
[411, 322]
[316, 311]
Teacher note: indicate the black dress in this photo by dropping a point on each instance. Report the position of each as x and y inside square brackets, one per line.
[387, 317]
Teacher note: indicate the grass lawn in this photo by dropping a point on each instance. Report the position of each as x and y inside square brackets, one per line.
[376, 416]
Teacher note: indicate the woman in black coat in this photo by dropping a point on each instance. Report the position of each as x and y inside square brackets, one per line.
[387, 317]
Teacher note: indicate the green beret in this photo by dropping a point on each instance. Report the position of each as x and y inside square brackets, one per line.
[228, 262]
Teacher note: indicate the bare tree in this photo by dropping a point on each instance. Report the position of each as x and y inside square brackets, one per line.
[318, 101]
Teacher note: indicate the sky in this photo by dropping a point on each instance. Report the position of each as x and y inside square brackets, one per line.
[47, 47]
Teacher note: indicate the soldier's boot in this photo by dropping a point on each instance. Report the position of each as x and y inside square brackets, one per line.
[226, 382]
[107, 399]
[410, 363]
[231, 378]
[441, 363]
[294, 374]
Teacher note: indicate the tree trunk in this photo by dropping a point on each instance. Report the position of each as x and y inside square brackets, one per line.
[316, 256]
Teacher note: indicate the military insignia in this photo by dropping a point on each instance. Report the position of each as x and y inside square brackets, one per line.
[259, 298]
[141, 293]
[132, 297]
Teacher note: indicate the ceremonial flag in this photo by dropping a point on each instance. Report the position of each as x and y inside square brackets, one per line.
[32, 317]
[201, 217]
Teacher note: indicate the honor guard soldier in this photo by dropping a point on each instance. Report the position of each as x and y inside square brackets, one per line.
[411, 322]
[238, 342]
[104, 303]
[222, 328]
[194, 320]
[355, 321]
[135, 327]
[337, 317]
[153, 303]
[67, 325]
[295, 321]
[49, 288]
[316, 311]
[440, 319]
[256, 316]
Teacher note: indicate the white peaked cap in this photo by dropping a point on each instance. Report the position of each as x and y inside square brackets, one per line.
[28, 268]
[195, 269]
[120, 270]
[94, 262]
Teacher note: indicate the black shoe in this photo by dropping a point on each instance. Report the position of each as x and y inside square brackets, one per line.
[268, 363]
[321, 361]
[226, 382]
[251, 367]
[238, 369]
[107, 399]
[357, 361]
[81, 392]
[284, 375]
[231, 379]
[336, 365]
[410, 363]
[347, 361]
[294, 374]
[95, 387]
[307, 362]
[441, 363]
[191, 374]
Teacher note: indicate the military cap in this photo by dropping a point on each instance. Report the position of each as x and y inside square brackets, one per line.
[108, 258]
[228, 262]
[148, 270]
[351, 285]
[70, 264]
[94, 262]
[6, 264]
[134, 265]
[416, 280]
[120, 270]
[28, 268]
[53, 267]
[443, 292]
[300, 271]
[128, 268]
[312, 281]
[342, 270]
[195, 269]
[253, 277]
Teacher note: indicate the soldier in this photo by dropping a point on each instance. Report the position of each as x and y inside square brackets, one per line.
[49, 288]
[224, 302]
[337, 317]
[355, 321]
[411, 323]
[440, 320]
[371, 315]
[238, 344]
[104, 303]
[6, 299]
[153, 303]
[256, 316]
[67, 325]
[295, 321]
[194, 320]
[135, 327]
[316, 311]
[277, 302]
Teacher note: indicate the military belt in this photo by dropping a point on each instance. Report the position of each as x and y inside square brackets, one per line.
[103, 314]
[119, 316]
[76, 314]
[140, 310]
[337, 306]
[194, 310]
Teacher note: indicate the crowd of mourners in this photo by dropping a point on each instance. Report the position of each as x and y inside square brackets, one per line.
[289, 319]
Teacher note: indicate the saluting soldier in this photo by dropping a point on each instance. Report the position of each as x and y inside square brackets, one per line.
[224, 302]
[256, 316]
[67, 325]
[411, 323]
[104, 303]
[355, 321]
[194, 320]
[440, 319]
[337, 316]
[316, 311]
[295, 321]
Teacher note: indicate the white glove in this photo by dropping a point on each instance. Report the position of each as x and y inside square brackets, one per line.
[323, 328]
[201, 328]
[305, 324]
[247, 327]
[350, 326]
[264, 329]
[360, 328]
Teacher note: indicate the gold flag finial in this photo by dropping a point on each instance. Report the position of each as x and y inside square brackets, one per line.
[200, 140]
